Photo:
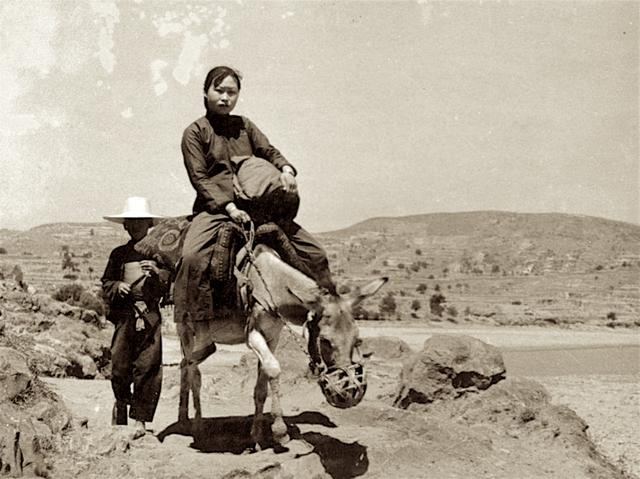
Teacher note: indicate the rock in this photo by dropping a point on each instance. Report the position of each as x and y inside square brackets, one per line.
[114, 441]
[82, 366]
[15, 376]
[52, 414]
[448, 367]
[90, 316]
[385, 347]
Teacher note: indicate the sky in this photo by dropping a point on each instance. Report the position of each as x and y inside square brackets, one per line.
[385, 108]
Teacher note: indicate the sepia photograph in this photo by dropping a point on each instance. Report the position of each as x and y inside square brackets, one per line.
[320, 239]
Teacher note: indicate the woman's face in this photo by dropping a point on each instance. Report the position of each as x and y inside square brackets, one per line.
[222, 99]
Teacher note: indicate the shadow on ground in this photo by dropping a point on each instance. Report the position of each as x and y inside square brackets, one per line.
[232, 434]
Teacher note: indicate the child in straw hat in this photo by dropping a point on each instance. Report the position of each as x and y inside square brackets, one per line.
[133, 285]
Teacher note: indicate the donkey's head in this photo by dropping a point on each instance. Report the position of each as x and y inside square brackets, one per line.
[334, 343]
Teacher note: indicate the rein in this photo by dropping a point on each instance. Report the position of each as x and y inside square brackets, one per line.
[249, 236]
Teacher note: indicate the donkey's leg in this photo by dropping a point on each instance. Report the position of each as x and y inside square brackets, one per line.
[185, 333]
[259, 398]
[270, 367]
[195, 378]
[190, 377]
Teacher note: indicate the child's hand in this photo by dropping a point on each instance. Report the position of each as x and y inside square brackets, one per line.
[124, 289]
[149, 267]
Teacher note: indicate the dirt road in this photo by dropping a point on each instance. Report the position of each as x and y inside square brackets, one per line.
[594, 372]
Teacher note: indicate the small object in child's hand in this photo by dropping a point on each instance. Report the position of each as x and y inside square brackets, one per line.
[139, 324]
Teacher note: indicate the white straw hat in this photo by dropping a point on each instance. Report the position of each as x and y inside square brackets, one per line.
[136, 207]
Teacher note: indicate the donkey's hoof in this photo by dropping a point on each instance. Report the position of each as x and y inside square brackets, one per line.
[283, 439]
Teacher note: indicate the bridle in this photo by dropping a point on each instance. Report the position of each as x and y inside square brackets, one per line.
[343, 387]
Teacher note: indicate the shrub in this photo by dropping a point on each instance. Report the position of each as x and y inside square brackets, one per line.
[90, 301]
[69, 293]
[3, 250]
[388, 304]
[415, 267]
[435, 304]
[422, 287]
[363, 314]
[416, 305]
[452, 311]
[418, 252]
[611, 316]
[75, 295]
[400, 265]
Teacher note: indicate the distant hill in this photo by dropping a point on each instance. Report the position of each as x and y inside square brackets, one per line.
[486, 266]
[44, 240]
[488, 241]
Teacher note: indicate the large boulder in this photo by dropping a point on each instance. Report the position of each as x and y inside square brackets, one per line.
[385, 347]
[31, 418]
[15, 376]
[449, 366]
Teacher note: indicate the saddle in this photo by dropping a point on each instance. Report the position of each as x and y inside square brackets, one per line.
[164, 244]
[231, 260]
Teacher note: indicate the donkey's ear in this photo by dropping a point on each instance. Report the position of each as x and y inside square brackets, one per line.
[309, 297]
[367, 290]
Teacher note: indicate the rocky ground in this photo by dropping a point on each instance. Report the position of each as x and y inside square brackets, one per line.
[448, 408]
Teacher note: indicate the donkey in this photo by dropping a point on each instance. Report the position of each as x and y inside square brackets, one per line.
[279, 294]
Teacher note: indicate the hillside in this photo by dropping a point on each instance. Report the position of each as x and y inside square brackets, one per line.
[496, 267]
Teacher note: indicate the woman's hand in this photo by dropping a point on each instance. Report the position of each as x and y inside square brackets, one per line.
[123, 289]
[237, 215]
[149, 267]
[288, 180]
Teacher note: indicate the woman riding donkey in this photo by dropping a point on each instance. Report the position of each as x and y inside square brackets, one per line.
[211, 147]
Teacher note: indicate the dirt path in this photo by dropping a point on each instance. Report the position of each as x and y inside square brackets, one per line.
[372, 440]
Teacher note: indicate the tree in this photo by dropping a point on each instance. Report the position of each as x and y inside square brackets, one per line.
[436, 304]
[418, 252]
[388, 304]
[422, 287]
[416, 305]
[3, 250]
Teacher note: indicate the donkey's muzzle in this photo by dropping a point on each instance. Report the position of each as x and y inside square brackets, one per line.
[344, 387]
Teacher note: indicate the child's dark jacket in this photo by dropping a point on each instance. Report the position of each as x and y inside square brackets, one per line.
[153, 288]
